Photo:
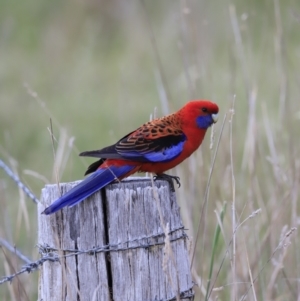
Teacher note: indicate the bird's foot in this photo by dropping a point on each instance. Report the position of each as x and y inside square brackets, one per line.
[168, 178]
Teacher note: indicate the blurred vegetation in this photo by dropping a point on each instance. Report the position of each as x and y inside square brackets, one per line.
[99, 68]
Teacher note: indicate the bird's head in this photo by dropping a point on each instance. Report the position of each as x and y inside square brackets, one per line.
[204, 112]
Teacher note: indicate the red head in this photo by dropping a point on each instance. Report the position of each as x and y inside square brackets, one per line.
[202, 113]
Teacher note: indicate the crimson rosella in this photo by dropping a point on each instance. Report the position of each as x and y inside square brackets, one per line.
[155, 147]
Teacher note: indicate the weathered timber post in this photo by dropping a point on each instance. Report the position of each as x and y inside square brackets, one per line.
[113, 246]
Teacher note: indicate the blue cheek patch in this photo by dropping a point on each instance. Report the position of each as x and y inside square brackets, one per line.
[204, 122]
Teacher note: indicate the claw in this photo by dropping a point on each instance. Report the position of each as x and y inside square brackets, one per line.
[170, 180]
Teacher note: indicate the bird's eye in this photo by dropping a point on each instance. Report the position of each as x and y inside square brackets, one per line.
[204, 110]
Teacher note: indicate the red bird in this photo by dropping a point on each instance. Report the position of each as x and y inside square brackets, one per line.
[156, 147]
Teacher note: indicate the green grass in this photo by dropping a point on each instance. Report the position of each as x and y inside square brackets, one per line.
[95, 71]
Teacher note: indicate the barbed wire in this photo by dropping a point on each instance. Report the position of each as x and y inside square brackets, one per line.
[142, 242]
[14, 250]
[189, 293]
[28, 268]
[52, 254]
[20, 184]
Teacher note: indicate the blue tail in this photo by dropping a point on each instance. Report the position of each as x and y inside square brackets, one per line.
[99, 179]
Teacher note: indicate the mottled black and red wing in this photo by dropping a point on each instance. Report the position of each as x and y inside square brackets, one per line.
[147, 144]
[151, 149]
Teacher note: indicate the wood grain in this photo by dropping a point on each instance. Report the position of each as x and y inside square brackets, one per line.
[127, 216]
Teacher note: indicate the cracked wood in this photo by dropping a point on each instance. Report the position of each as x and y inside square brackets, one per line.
[123, 212]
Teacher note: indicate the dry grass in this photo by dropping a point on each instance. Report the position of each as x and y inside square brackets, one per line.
[97, 70]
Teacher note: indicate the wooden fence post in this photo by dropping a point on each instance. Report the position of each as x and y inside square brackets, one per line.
[113, 246]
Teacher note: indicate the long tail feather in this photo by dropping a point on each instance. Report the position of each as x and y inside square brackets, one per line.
[88, 186]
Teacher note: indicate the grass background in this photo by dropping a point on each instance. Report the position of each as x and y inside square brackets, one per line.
[99, 68]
